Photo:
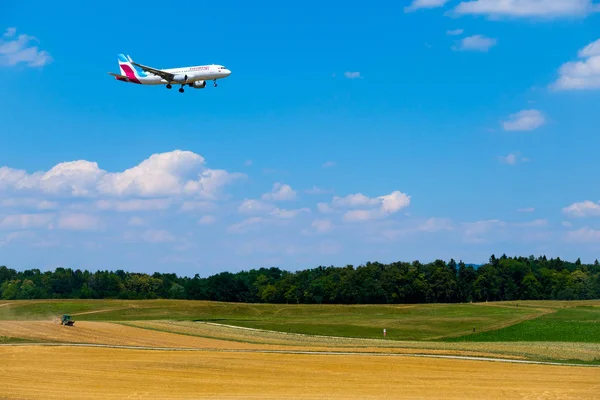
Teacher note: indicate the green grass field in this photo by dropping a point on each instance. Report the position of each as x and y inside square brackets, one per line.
[577, 321]
[578, 324]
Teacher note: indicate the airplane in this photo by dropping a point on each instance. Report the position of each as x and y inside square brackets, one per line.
[194, 77]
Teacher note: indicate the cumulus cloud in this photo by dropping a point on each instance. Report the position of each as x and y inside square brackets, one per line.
[526, 120]
[546, 9]
[427, 4]
[166, 174]
[379, 207]
[280, 192]
[354, 200]
[583, 74]
[475, 43]
[583, 209]
[19, 49]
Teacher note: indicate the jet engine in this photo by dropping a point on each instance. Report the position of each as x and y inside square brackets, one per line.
[199, 85]
[180, 78]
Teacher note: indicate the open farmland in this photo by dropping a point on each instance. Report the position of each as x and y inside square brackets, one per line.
[231, 350]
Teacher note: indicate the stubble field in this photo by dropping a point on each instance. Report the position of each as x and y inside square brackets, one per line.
[171, 349]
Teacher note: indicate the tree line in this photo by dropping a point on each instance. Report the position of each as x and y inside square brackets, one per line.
[503, 278]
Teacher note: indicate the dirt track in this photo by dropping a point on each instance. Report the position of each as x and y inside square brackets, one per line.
[31, 372]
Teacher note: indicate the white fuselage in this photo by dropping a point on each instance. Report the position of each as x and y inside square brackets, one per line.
[185, 75]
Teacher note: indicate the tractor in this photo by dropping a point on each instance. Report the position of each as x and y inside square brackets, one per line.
[66, 320]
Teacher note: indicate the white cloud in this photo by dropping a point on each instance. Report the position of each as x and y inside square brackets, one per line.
[526, 120]
[362, 215]
[189, 206]
[158, 236]
[173, 173]
[324, 208]
[386, 205]
[584, 235]
[10, 32]
[248, 163]
[81, 222]
[19, 50]
[287, 214]
[244, 225]
[252, 206]
[546, 9]
[583, 209]
[354, 200]
[29, 203]
[526, 210]
[512, 159]
[581, 75]
[329, 164]
[207, 220]
[428, 4]
[352, 75]
[475, 43]
[394, 202]
[134, 205]
[591, 50]
[280, 192]
[455, 32]
[26, 221]
[322, 225]
[567, 224]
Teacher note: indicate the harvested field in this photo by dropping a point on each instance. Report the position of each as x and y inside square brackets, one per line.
[106, 333]
[42, 372]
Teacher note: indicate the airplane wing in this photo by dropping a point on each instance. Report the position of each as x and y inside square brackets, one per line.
[165, 75]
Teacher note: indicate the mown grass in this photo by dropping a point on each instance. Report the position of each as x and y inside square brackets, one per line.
[10, 340]
[577, 324]
[496, 322]
[402, 322]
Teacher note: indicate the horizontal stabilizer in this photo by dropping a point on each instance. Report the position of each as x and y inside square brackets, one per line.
[119, 77]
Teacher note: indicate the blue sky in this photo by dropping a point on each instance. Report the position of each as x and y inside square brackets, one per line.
[411, 130]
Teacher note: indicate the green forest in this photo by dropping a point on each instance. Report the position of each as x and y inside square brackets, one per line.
[503, 278]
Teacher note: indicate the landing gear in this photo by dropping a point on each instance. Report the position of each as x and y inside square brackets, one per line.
[169, 86]
[215, 83]
[181, 90]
